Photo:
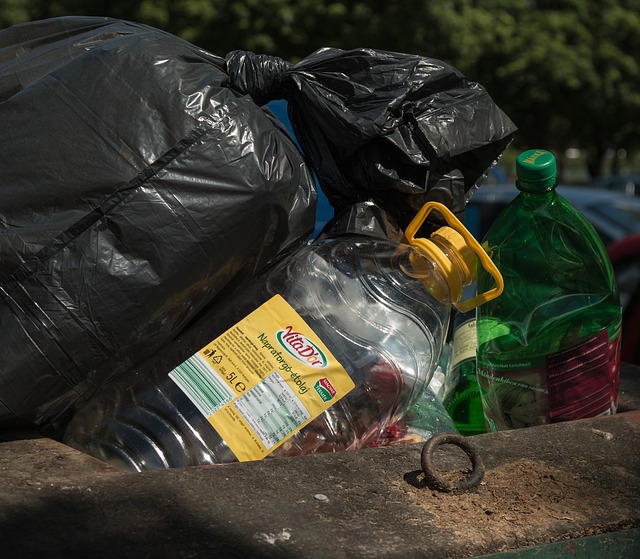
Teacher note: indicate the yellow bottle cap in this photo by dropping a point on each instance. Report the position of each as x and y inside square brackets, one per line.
[460, 266]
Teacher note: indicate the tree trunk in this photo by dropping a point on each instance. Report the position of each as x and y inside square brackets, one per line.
[615, 164]
[595, 158]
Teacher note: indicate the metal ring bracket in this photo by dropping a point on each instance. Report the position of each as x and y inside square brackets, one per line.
[435, 480]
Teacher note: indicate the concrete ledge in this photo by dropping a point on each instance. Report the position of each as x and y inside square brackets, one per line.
[546, 484]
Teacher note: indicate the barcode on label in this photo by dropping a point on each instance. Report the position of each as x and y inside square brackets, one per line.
[202, 385]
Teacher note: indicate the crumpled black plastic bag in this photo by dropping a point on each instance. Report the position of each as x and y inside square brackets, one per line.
[135, 187]
[397, 128]
[141, 180]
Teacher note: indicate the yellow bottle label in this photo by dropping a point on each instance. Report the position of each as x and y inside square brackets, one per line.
[263, 380]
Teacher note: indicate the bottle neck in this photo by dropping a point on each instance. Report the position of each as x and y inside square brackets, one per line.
[533, 198]
[539, 193]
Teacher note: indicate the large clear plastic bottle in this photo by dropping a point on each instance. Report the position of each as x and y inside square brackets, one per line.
[548, 348]
[378, 307]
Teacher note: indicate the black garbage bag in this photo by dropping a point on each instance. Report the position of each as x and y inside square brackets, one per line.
[141, 181]
[396, 128]
[135, 186]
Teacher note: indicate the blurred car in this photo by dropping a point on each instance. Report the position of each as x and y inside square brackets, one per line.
[628, 184]
[613, 215]
[616, 218]
[625, 257]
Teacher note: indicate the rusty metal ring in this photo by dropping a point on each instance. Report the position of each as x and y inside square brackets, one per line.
[435, 480]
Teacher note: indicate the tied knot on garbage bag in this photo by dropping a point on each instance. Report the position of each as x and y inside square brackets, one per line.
[161, 182]
[259, 75]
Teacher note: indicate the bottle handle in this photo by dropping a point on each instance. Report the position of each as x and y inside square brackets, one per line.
[472, 243]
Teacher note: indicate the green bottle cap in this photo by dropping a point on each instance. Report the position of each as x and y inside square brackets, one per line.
[536, 171]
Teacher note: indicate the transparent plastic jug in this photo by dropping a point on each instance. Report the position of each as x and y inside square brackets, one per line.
[321, 352]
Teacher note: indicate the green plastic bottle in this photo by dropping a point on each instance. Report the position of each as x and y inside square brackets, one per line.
[549, 346]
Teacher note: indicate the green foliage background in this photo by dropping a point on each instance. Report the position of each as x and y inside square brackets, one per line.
[566, 71]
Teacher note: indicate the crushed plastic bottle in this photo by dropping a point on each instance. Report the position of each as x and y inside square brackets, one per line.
[549, 347]
[322, 352]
